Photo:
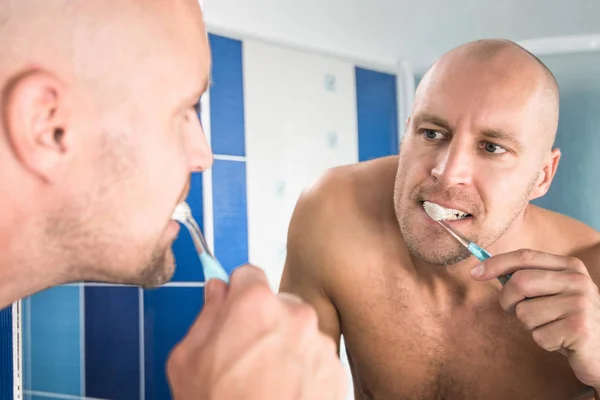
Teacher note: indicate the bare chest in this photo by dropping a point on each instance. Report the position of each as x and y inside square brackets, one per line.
[400, 348]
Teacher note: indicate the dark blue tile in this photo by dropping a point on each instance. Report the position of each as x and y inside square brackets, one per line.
[189, 268]
[168, 314]
[377, 114]
[230, 213]
[112, 347]
[227, 97]
[6, 364]
[52, 341]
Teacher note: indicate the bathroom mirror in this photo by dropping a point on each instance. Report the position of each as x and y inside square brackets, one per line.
[298, 87]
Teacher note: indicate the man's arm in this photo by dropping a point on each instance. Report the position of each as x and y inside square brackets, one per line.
[307, 270]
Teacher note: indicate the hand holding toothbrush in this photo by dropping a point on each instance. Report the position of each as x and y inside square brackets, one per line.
[249, 343]
[557, 300]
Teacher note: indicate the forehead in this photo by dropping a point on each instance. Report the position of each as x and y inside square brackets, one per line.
[481, 97]
[186, 52]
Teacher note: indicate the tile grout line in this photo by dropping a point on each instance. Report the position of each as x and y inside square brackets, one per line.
[142, 344]
[82, 387]
[166, 285]
[61, 396]
[29, 355]
[207, 192]
[225, 157]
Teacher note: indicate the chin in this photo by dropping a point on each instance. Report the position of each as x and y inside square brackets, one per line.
[438, 256]
[434, 248]
[158, 271]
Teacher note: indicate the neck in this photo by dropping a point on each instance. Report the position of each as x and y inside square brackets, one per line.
[23, 270]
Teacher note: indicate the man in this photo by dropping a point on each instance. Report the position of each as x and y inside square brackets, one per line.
[421, 318]
[99, 135]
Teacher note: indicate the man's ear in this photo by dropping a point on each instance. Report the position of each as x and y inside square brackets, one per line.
[546, 175]
[34, 113]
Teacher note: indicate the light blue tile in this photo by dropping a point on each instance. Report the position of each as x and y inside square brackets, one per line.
[55, 341]
[377, 114]
[26, 325]
[227, 97]
[230, 213]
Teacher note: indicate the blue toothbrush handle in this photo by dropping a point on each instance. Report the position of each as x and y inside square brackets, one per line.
[481, 255]
[212, 268]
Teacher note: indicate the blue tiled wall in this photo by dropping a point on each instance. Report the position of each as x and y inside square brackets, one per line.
[112, 342]
[112, 349]
[227, 97]
[377, 113]
[51, 341]
[6, 358]
[230, 213]
[168, 313]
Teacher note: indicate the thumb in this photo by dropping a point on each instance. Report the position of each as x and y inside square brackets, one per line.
[215, 293]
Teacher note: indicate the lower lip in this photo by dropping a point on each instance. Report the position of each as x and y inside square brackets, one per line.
[173, 226]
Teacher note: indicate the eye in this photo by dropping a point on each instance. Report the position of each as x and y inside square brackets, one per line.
[430, 134]
[194, 112]
[492, 148]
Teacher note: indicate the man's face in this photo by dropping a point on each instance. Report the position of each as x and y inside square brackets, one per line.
[144, 143]
[474, 144]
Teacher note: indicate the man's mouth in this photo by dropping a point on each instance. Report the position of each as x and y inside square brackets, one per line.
[451, 214]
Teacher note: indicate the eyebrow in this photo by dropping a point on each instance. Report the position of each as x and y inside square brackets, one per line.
[488, 133]
[431, 119]
[195, 97]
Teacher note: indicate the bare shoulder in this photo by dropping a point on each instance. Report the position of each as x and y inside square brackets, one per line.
[348, 191]
[330, 218]
[571, 237]
[333, 212]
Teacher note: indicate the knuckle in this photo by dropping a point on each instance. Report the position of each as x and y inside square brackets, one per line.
[583, 282]
[576, 264]
[581, 303]
[579, 326]
[541, 338]
[525, 256]
[259, 302]
[519, 280]
[306, 317]
[176, 360]
[505, 304]
[258, 295]
[522, 313]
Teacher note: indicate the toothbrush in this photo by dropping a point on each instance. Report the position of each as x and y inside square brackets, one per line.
[436, 213]
[210, 265]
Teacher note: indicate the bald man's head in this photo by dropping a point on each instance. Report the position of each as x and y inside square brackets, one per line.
[504, 57]
[100, 127]
[479, 140]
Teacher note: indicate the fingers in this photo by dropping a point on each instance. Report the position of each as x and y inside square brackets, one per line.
[561, 334]
[508, 263]
[531, 283]
[247, 276]
[535, 313]
[215, 294]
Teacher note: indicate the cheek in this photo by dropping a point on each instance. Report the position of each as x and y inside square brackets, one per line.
[163, 168]
[504, 193]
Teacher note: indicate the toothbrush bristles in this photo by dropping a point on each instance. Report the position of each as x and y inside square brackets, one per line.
[434, 211]
[182, 212]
